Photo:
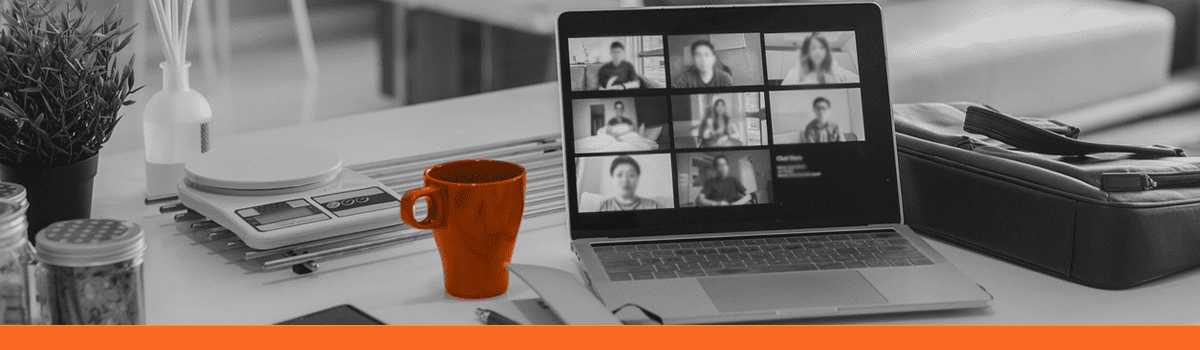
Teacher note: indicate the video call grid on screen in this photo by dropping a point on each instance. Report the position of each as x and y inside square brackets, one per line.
[662, 100]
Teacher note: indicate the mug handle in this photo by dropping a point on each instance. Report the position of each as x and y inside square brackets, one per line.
[433, 216]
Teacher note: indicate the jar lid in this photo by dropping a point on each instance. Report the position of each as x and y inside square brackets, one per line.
[12, 223]
[90, 242]
[12, 191]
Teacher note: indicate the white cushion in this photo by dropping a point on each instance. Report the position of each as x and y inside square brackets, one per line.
[589, 202]
[1026, 57]
[652, 132]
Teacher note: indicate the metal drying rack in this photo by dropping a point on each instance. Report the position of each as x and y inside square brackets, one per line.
[541, 156]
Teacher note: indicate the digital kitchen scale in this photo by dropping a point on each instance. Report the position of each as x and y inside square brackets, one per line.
[275, 195]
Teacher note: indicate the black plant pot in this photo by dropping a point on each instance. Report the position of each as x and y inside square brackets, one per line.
[56, 193]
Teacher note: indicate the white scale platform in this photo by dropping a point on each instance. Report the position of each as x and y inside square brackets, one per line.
[276, 195]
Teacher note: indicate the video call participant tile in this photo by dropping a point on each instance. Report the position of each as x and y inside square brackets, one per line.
[715, 60]
[724, 178]
[617, 63]
[719, 120]
[620, 124]
[811, 58]
[624, 182]
[816, 116]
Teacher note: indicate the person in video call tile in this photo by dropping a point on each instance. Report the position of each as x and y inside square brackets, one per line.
[715, 130]
[618, 74]
[703, 73]
[619, 124]
[817, 65]
[722, 190]
[625, 173]
[821, 129]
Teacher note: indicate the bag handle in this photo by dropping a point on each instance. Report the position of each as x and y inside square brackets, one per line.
[1041, 139]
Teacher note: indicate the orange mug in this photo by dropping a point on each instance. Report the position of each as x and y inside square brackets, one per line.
[474, 209]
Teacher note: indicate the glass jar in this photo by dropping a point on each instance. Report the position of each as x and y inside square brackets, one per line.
[15, 193]
[90, 272]
[16, 266]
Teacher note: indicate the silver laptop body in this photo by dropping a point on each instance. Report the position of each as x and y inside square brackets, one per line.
[789, 273]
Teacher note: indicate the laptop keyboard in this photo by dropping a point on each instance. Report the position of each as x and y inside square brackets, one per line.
[760, 254]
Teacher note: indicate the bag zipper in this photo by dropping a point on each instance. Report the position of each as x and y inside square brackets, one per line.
[1127, 182]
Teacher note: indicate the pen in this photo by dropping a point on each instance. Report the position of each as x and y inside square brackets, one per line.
[491, 317]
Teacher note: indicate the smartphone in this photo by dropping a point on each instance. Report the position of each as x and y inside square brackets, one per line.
[345, 314]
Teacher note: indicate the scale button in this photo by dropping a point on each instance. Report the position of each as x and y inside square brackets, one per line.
[348, 201]
[333, 205]
[362, 199]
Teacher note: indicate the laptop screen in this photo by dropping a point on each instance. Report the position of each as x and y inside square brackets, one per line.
[722, 119]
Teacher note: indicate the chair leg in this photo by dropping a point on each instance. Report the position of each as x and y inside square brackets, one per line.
[487, 59]
[208, 56]
[222, 21]
[308, 49]
[141, 37]
[393, 50]
[552, 66]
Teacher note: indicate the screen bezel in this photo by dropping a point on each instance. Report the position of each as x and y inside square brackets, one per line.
[864, 19]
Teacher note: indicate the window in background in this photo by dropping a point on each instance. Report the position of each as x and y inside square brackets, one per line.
[651, 59]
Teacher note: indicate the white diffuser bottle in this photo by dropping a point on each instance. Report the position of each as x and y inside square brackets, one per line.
[176, 125]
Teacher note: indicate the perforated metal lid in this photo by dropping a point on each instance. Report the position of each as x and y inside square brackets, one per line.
[12, 224]
[263, 167]
[90, 242]
[13, 192]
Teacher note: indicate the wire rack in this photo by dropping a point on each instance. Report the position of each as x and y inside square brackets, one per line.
[541, 156]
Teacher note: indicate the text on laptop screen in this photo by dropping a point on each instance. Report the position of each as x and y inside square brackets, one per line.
[725, 119]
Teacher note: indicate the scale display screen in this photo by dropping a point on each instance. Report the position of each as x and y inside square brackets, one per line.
[274, 216]
[289, 214]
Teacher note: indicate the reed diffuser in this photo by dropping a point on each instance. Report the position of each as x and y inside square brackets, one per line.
[176, 121]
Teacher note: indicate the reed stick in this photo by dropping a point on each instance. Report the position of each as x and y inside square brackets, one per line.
[172, 18]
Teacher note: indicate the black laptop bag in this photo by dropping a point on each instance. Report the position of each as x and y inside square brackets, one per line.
[1027, 191]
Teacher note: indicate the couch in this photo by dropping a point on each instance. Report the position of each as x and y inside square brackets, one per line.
[1034, 57]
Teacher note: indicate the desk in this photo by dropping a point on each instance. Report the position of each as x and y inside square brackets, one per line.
[187, 283]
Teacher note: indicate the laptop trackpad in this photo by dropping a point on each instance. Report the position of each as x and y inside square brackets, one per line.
[780, 291]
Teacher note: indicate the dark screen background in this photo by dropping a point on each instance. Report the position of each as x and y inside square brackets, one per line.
[857, 185]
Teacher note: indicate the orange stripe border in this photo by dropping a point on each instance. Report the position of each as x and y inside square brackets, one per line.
[596, 337]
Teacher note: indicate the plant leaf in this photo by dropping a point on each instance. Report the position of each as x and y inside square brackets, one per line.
[60, 80]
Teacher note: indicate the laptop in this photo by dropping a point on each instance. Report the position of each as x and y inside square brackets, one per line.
[737, 163]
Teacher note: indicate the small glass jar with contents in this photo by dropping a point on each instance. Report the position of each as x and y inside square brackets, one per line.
[90, 272]
[13, 192]
[16, 266]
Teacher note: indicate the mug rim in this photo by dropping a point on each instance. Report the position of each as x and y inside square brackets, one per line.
[497, 182]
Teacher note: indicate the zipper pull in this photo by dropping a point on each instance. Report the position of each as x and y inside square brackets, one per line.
[1126, 182]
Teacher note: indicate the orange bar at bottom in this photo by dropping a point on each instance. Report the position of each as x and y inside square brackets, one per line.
[596, 337]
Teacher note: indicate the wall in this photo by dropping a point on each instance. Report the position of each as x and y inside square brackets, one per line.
[582, 111]
[779, 62]
[598, 48]
[654, 182]
[745, 61]
[792, 110]
[652, 111]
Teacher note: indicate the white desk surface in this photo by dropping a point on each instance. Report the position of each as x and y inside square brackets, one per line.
[188, 282]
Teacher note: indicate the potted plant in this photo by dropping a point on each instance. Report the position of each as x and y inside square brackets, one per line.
[61, 89]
